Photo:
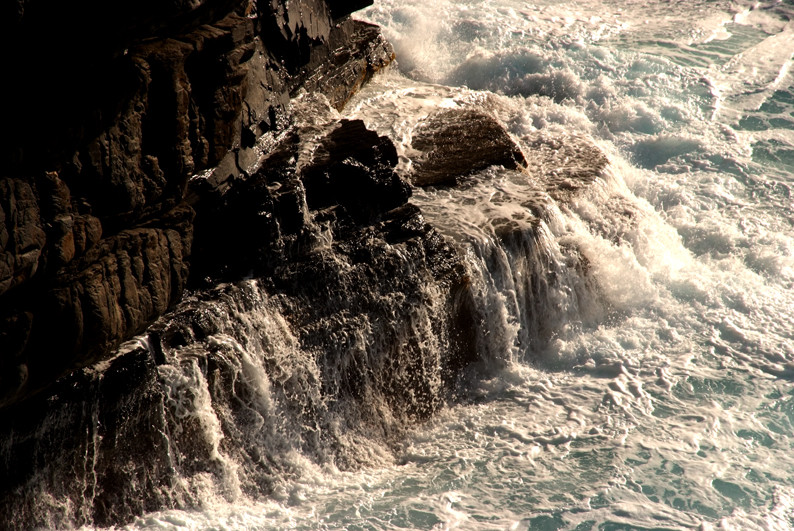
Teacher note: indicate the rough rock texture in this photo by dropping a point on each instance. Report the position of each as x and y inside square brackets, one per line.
[115, 24]
[95, 231]
[357, 54]
[351, 167]
[457, 142]
[335, 192]
[353, 281]
[330, 232]
[93, 451]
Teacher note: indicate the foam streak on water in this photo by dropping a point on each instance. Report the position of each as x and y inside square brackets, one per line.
[639, 334]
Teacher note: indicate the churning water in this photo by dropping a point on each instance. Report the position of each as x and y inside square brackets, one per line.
[637, 333]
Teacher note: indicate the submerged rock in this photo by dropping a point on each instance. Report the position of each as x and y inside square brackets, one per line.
[564, 165]
[458, 142]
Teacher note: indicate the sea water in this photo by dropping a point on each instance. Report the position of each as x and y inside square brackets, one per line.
[651, 386]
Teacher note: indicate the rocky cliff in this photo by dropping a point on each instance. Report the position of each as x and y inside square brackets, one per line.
[112, 108]
[343, 319]
[151, 153]
[205, 271]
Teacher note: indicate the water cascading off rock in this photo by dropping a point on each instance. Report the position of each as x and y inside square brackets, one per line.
[354, 327]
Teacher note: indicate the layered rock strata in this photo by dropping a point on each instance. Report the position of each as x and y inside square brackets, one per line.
[110, 119]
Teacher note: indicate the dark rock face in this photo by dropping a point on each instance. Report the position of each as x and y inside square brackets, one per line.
[349, 277]
[112, 291]
[321, 200]
[457, 142]
[163, 162]
[117, 24]
[350, 171]
[358, 51]
[340, 8]
[95, 231]
[68, 292]
[96, 447]
[352, 167]
[329, 228]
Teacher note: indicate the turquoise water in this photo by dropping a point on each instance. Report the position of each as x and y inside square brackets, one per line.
[652, 391]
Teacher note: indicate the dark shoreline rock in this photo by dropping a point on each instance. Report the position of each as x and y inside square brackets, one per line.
[95, 229]
[454, 143]
[347, 277]
[103, 232]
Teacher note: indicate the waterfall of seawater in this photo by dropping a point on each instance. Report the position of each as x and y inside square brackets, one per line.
[531, 250]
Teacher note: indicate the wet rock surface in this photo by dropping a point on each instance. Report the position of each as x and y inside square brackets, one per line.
[356, 316]
[95, 230]
[321, 306]
[93, 451]
[330, 228]
[458, 142]
[564, 166]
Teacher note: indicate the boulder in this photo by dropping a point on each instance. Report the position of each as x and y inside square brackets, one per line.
[454, 143]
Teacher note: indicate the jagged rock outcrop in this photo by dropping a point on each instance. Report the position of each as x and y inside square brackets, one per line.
[350, 169]
[356, 322]
[95, 231]
[329, 230]
[328, 223]
[454, 143]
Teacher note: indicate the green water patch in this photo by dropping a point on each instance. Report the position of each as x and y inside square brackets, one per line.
[761, 438]
[784, 408]
[734, 494]
[652, 152]
[699, 55]
[774, 153]
[620, 526]
[414, 518]
[703, 390]
[546, 522]
[742, 38]
[777, 113]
